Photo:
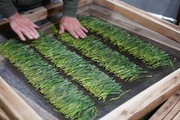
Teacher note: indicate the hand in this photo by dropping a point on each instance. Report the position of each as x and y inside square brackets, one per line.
[23, 27]
[73, 26]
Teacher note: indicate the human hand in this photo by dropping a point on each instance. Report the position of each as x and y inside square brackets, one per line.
[73, 26]
[23, 27]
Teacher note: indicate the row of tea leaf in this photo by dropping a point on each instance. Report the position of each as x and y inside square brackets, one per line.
[148, 53]
[61, 93]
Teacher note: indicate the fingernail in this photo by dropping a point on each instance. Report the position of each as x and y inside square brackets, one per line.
[60, 32]
[37, 36]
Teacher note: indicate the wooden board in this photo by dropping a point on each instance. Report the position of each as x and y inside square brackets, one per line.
[13, 105]
[147, 100]
[177, 117]
[173, 112]
[45, 115]
[3, 115]
[85, 2]
[167, 107]
[141, 17]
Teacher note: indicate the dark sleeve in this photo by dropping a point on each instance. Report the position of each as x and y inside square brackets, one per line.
[7, 8]
[70, 7]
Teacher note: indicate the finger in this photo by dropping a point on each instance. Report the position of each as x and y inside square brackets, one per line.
[61, 29]
[35, 26]
[80, 33]
[32, 24]
[34, 32]
[30, 34]
[26, 32]
[73, 33]
[83, 33]
[21, 36]
[84, 29]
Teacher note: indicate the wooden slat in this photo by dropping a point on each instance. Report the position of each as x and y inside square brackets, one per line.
[165, 109]
[145, 14]
[8, 108]
[45, 115]
[13, 105]
[158, 25]
[84, 8]
[85, 2]
[177, 117]
[173, 112]
[147, 100]
[3, 115]
[155, 38]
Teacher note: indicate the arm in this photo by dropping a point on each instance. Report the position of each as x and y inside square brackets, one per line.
[19, 24]
[7, 8]
[69, 22]
[70, 7]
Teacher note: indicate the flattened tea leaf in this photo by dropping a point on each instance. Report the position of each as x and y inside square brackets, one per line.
[106, 57]
[91, 78]
[61, 93]
[148, 53]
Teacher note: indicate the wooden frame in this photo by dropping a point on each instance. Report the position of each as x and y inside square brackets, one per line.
[13, 106]
[143, 18]
[147, 100]
[157, 31]
[169, 109]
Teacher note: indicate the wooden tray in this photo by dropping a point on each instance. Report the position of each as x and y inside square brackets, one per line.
[153, 30]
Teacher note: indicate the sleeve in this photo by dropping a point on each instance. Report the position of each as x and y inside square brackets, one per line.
[7, 8]
[70, 7]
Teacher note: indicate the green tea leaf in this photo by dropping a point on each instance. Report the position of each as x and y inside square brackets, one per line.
[61, 93]
[148, 53]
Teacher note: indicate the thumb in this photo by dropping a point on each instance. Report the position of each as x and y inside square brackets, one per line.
[61, 29]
